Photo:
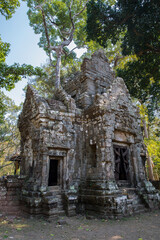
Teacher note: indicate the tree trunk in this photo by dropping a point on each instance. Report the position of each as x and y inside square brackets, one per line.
[58, 67]
[149, 160]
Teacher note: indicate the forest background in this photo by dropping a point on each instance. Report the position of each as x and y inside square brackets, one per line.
[127, 31]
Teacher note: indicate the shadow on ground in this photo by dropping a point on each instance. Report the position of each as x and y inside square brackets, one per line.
[142, 227]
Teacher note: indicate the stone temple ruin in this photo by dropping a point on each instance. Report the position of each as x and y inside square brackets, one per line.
[82, 150]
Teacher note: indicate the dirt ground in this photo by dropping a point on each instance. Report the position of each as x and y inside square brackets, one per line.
[141, 227]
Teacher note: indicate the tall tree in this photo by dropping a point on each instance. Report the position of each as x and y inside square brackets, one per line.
[60, 23]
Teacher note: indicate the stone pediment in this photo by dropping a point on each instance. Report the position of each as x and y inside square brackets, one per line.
[117, 98]
[119, 95]
[33, 105]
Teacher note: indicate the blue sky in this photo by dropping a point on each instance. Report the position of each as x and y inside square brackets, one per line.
[24, 46]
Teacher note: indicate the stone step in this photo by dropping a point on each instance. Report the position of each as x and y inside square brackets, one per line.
[123, 183]
[51, 199]
[54, 212]
[133, 196]
[134, 201]
[53, 193]
[128, 190]
[139, 208]
[92, 192]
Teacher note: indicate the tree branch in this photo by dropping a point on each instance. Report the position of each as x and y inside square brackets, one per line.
[116, 59]
[56, 25]
[6, 165]
[46, 31]
[71, 4]
[69, 40]
[66, 53]
[77, 14]
[70, 14]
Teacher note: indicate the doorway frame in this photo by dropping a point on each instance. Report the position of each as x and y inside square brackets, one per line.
[59, 171]
[120, 146]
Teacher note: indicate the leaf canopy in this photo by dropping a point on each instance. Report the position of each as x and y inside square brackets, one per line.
[58, 15]
[8, 7]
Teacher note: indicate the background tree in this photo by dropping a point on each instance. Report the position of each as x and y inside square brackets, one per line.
[9, 135]
[153, 146]
[152, 141]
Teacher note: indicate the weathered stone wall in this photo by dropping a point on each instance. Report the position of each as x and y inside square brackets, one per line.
[111, 119]
[51, 134]
[10, 188]
[95, 77]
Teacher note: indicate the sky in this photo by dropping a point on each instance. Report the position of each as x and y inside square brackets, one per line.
[24, 46]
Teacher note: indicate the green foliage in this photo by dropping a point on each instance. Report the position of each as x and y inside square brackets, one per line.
[44, 84]
[4, 50]
[153, 146]
[9, 134]
[136, 24]
[57, 20]
[153, 141]
[9, 75]
[139, 19]
[141, 83]
[59, 24]
[8, 7]
[2, 108]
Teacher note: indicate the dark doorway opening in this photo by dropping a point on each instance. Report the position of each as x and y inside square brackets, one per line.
[53, 173]
[92, 155]
[121, 157]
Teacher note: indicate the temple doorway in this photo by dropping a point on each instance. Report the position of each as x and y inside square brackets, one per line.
[53, 179]
[121, 158]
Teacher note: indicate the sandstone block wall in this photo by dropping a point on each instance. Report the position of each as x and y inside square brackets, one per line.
[10, 188]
